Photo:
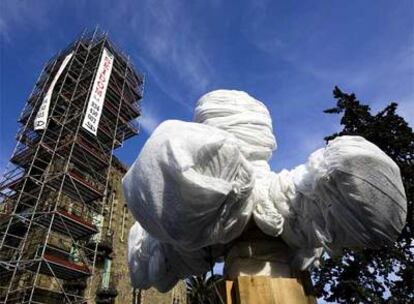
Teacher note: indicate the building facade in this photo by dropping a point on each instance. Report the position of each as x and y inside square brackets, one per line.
[64, 222]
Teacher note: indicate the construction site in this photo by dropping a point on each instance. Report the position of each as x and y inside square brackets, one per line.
[64, 222]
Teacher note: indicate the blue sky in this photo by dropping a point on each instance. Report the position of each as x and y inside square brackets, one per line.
[289, 54]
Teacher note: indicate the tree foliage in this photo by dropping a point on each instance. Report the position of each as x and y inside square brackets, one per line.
[385, 275]
[204, 289]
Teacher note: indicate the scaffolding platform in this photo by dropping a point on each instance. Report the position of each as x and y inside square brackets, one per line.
[76, 186]
[56, 263]
[67, 223]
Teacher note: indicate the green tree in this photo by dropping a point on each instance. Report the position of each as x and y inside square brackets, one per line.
[385, 275]
[204, 289]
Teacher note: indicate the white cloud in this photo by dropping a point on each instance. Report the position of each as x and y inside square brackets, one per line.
[173, 95]
[218, 268]
[149, 121]
[406, 110]
[296, 149]
[15, 14]
[168, 45]
[3, 29]
[371, 70]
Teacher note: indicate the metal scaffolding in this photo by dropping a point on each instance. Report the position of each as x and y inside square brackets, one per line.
[53, 196]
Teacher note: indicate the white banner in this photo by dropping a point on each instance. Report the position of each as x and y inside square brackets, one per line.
[43, 113]
[97, 98]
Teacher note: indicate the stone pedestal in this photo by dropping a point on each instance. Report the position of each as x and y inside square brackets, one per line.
[258, 271]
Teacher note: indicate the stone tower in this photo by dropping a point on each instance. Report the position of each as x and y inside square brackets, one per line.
[63, 220]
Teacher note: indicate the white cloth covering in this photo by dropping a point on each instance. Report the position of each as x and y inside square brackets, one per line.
[349, 194]
[197, 184]
[241, 115]
[250, 122]
[190, 186]
[156, 264]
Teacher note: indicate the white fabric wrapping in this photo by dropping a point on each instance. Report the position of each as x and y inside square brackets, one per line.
[190, 186]
[155, 264]
[241, 115]
[198, 184]
[348, 195]
[249, 121]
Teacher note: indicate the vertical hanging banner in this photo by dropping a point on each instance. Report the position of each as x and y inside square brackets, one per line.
[97, 98]
[43, 113]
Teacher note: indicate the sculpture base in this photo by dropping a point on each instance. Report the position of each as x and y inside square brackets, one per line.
[258, 271]
[266, 290]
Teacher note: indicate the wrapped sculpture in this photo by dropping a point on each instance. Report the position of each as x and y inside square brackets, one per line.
[196, 185]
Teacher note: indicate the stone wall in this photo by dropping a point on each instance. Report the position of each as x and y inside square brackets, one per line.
[117, 222]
